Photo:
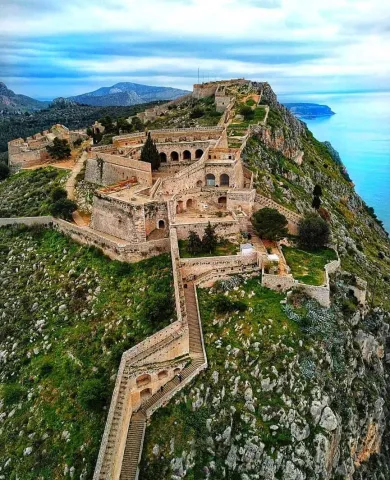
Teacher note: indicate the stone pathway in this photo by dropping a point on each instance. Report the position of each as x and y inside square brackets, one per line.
[71, 182]
[137, 426]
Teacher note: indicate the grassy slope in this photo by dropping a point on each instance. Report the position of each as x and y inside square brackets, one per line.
[68, 315]
[307, 266]
[27, 193]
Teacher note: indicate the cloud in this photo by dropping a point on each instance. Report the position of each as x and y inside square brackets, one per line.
[294, 44]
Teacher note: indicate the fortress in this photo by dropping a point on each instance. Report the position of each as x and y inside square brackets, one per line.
[138, 213]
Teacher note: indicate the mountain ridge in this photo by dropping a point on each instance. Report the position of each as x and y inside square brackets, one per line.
[14, 103]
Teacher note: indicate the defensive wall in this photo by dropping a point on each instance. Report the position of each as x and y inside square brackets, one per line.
[107, 169]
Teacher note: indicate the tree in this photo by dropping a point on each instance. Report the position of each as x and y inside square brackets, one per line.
[210, 239]
[150, 153]
[58, 193]
[314, 232]
[317, 192]
[247, 112]
[194, 245]
[270, 224]
[4, 171]
[136, 124]
[316, 203]
[60, 149]
[63, 208]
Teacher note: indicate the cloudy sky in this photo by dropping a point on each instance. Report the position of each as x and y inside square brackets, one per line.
[50, 48]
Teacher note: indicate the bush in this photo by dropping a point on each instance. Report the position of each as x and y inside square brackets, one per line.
[157, 308]
[12, 394]
[197, 113]
[314, 232]
[93, 394]
[77, 142]
[60, 149]
[270, 224]
[247, 112]
[223, 304]
[58, 193]
[4, 171]
[63, 208]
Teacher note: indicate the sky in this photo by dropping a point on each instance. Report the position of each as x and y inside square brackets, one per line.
[52, 48]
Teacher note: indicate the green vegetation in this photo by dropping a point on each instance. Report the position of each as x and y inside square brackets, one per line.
[29, 193]
[60, 149]
[4, 171]
[308, 266]
[63, 208]
[314, 232]
[149, 153]
[269, 224]
[223, 247]
[68, 314]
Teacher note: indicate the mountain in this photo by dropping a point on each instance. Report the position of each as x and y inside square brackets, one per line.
[309, 110]
[127, 93]
[13, 103]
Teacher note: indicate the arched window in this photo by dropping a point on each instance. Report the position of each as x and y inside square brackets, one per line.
[162, 374]
[198, 153]
[163, 157]
[222, 201]
[161, 224]
[174, 156]
[186, 155]
[190, 203]
[210, 180]
[199, 183]
[224, 180]
[145, 394]
[143, 380]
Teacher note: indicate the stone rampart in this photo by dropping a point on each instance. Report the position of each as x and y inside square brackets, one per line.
[28, 221]
[106, 169]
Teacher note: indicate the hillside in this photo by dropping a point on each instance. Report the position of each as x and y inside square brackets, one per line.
[309, 110]
[126, 94]
[11, 103]
[66, 319]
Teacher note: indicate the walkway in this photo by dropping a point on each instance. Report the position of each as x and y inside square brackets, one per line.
[137, 426]
[71, 182]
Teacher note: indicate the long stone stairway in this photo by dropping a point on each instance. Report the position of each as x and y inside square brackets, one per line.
[137, 426]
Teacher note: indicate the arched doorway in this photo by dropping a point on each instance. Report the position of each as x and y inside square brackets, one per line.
[161, 224]
[162, 374]
[199, 183]
[224, 180]
[210, 180]
[179, 206]
[163, 157]
[198, 153]
[186, 155]
[145, 394]
[222, 201]
[174, 156]
[190, 203]
[143, 380]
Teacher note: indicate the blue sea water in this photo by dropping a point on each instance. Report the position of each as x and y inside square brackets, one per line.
[360, 132]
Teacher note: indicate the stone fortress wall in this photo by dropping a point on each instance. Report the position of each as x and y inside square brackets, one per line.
[32, 151]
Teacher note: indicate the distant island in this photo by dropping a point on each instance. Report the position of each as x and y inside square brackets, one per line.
[309, 110]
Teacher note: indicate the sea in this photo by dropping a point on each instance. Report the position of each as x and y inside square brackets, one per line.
[360, 132]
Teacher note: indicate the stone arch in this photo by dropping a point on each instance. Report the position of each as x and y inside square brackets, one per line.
[174, 156]
[198, 153]
[224, 180]
[162, 374]
[210, 180]
[179, 206]
[145, 394]
[199, 183]
[222, 201]
[190, 203]
[161, 224]
[186, 155]
[177, 371]
[142, 380]
[163, 157]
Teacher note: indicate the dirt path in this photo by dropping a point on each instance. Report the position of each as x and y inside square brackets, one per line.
[71, 182]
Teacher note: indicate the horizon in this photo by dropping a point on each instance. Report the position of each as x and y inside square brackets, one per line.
[74, 48]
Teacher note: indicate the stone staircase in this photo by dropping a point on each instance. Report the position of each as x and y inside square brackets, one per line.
[137, 426]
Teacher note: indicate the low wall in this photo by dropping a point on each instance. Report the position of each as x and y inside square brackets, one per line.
[28, 221]
[198, 266]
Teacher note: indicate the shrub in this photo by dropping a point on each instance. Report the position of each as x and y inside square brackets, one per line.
[314, 232]
[58, 193]
[247, 112]
[77, 142]
[223, 304]
[93, 394]
[270, 224]
[4, 171]
[60, 149]
[63, 208]
[197, 113]
[12, 394]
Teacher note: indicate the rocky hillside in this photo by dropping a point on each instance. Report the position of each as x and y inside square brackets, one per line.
[10, 102]
[293, 392]
[67, 315]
